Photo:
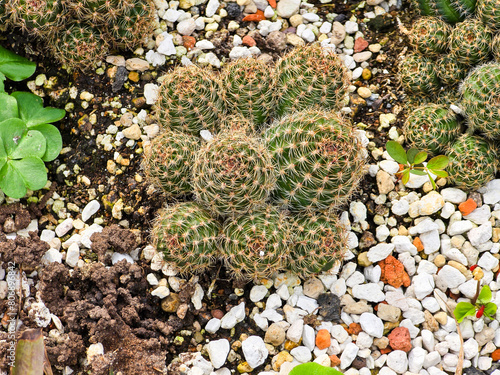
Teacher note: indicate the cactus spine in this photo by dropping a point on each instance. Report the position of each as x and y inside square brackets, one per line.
[41, 17]
[187, 236]
[417, 74]
[452, 11]
[470, 42]
[308, 77]
[232, 174]
[488, 11]
[168, 161]
[318, 158]
[450, 71]
[320, 241]
[429, 35]
[256, 244]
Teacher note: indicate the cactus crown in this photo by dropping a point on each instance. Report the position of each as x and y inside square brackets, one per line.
[473, 162]
[470, 42]
[450, 71]
[417, 75]
[318, 158]
[255, 244]
[168, 161]
[189, 100]
[40, 17]
[309, 77]
[429, 35]
[187, 236]
[232, 174]
[431, 128]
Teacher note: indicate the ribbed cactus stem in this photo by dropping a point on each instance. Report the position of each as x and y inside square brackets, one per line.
[452, 11]
[470, 42]
[429, 35]
[417, 75]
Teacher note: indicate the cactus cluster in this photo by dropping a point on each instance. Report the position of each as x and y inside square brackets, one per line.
[269, 171]
[451, 11]
[462, 75]
[79, 33]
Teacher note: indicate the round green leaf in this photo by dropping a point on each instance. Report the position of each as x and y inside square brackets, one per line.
[420, 157]
[32, 170]
[11, 182]
[412, 152]
[33, 143]
[418, 172]
[31, 109]
[490, 310]
[396, 151]
[484, 296]
[3, 154]
[11, 131]
[8, 106]
[464, 309]
[438, 162]
[314, 369]
[53, 139]
[15, 67]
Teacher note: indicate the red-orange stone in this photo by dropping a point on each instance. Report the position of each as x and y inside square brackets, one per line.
[323, 339]
[334, 360]
[354, 329]
[188, 42]
[467, 207]
[418, 244]
[495, 356]
[248, 41]
[360, 44]
[259, 16]
[399, 339]
[393, 272]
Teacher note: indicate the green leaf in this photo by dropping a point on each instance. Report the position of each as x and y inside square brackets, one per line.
[438, 162]
[418, 172]
[396, 151]
[31, 355]
[439, 173]
[3, 154]
[15, 67]
[484, 296]
[2, 79]
[11, 131]
[406, 176]
[411, 154]
[53, 138]
[33, 143]
[8, 106]
[490, 310]
[313, 369]
[32, 111]
[464, 309]
[11, 182]
[433, 183]
[32, 170]
[420, 157]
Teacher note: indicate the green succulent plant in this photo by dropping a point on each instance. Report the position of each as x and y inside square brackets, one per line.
[319, 242]
[39, 17]
[452, 11]
[188, 237]
[470, 42]
[232, 174]
[255, 245]
[168, 162]
[488, 12]
[429, 35]
[449, 71]
[431, 128]
[481, 99]
[495, 47]
[318, 157]
[417, 75]
[190, 101]
[473, 162]
[308, 77]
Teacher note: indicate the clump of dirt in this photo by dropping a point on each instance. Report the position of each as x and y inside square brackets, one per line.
[113, 238]
[13, 217]
[24, 251]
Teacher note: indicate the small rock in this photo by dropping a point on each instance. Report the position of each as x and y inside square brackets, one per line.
[372, 324]
[400, 339]
[218, 351]
[254, 351]
[275, 335]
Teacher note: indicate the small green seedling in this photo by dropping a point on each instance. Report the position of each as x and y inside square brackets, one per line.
[413, 162]
[314, 369]
[481, 306]
[14, 67]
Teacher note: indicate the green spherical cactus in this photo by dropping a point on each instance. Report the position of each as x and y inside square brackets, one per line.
[190, 100]
[319, 159]
[449, 71]
[232, 174]
[488, 11]
[255, 245]
[417, 75]
[481, 99]
[473, 162]
[236, 122]
[443, 98]
[187, 236]
[168, 162]
[79, 46]
[39, 17]
[250, 89]
[431, 128]
[452, 11]
[310, 76]
[429, 35]
[470, 42]
[319, 242]
[495, 47]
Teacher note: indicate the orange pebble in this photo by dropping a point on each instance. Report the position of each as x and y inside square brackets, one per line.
[418, 244]
[188, 42]
[495, 356]
[259, 16]
[323, 339]
[354, 329]
[334, 360]
[248, 41]
[386, 350]
[467, 207]
[272, 3]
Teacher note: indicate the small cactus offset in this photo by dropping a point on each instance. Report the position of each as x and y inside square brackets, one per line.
[473, 162]
[188, 237]
[488, 11]
[470, 42]
[417, 75]
[308, 77]
[232, 174]
[481, 99]
[318, 157]
[190, 101]
[40, 17]
[449, 71]
[255, 245]
[431, 128]
[250, 89]
[168, 161]
[429, 35]
[452, 11]
[319, 242]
